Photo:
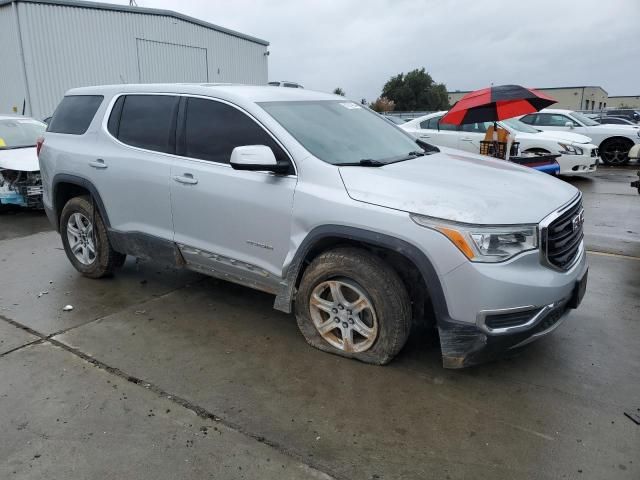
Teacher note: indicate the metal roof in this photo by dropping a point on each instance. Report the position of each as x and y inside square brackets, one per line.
[143, 10]
[542, 88]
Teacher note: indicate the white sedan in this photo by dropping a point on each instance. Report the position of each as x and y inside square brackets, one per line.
[578, 155]
[20, 182]
[614, 141]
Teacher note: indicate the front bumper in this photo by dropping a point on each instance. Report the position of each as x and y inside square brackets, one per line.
[497, 307]
[579, 164]
[20, 188]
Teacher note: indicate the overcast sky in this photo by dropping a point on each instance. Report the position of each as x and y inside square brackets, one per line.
[467, 44]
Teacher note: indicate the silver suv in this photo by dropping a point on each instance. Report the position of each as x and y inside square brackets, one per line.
[321, 202]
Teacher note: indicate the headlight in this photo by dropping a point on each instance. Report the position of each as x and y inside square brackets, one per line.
[485, 243]
[570, 149]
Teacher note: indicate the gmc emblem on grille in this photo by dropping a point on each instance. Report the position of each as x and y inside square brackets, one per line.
[577, 221]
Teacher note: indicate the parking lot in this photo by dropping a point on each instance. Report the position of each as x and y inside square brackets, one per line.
[164, 374]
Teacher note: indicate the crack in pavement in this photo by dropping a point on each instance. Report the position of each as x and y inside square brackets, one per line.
[323, 471]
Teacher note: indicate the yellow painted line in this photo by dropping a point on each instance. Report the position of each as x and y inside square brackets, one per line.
[616, 255]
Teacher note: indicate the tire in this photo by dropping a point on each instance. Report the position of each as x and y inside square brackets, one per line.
[374, 335]
[91, 255]
[615, 151]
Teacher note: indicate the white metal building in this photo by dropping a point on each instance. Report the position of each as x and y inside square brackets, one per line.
[49, 46]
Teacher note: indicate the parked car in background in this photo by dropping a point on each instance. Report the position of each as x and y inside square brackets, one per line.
[615, 121]
[613, 141]
[395, 120]
[578, 155]
[322, 203]
[20, 182]
[628, 113]
[285, 83]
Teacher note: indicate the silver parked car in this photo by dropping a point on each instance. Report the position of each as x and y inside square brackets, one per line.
[321, 202]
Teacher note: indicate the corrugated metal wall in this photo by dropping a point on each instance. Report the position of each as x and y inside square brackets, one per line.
[189, 64]
[12, 92]
[68, 47]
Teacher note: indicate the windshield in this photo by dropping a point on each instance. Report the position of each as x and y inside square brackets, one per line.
[519, 126]
[19, 132]
[584, 119]
[341, 132]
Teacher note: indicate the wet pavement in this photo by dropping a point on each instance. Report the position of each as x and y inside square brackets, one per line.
[158, 373]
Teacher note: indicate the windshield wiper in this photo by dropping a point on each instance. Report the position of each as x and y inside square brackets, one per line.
[365, 162]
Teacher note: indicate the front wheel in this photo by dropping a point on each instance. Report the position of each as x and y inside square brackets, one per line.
[615, 151]
[85, 239]
[351, 303]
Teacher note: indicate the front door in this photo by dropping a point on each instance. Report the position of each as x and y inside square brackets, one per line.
[229, 223]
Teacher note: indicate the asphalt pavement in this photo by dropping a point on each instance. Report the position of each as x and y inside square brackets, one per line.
[160, 373]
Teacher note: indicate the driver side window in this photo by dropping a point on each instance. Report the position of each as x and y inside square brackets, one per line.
[554, 120]
[213, 129]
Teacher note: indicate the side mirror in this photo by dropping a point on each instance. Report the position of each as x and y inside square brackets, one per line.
[254, 158]
[569, 124]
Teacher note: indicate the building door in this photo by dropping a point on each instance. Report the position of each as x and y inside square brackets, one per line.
[160, 62]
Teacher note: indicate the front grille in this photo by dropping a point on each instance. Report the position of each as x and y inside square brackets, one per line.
[562, 238]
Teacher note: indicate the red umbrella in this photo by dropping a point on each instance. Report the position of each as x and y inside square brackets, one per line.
[496, 103]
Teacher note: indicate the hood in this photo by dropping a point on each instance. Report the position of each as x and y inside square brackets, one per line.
[557, 136]
[460, 187]
[24, 159]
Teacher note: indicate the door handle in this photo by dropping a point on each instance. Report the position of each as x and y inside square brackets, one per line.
[467, 139]
[187, 178]
[98, 163]
[425, 136]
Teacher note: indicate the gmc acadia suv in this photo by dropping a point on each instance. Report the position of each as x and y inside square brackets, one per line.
[321, 202]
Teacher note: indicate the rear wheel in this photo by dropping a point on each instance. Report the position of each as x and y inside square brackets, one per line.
[615, 151]
[351, 303]
[85, 239]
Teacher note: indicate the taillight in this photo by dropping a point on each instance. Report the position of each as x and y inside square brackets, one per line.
[39, 143]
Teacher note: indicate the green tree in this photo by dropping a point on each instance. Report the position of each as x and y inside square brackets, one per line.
[416, 91]
[339, 91]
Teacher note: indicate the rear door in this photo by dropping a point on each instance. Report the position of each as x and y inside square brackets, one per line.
[436, 133]
[132, 164]
[471, 134]
[229, 223]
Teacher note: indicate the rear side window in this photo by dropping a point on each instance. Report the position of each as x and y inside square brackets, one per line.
[213, 129]
[74, 114]
[146, 121]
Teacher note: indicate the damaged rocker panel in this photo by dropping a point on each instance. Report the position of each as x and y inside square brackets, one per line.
[226, 268]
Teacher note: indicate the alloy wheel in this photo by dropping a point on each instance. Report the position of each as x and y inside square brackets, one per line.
[615, 153]
[80, 237]
[344, 315]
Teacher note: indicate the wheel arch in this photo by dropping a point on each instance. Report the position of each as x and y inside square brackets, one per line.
[65, 187]
[393, 249]
[617, 137]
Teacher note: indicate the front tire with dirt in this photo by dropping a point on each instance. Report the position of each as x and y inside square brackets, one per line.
[351, 303]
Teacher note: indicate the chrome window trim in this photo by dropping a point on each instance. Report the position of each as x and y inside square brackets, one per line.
[114, 99]
[542, 233]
